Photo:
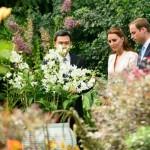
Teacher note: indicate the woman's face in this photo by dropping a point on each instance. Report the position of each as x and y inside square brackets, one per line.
[115, 42]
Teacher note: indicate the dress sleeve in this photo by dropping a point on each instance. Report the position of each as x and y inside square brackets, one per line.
[133, 60]
[110, 65]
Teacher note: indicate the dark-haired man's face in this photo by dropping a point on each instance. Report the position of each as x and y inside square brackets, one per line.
[63, 44]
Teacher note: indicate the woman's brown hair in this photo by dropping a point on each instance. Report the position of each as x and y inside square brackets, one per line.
[120, 33]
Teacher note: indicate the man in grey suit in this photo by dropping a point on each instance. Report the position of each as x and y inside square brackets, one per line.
[140, 33]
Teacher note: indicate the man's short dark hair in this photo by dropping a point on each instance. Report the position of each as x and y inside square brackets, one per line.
[62, 33]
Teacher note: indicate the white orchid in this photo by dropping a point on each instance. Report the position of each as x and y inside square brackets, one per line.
[15, 57]
[21, 75]
[70, 77]
[8, 74]
[17, 82]
[23, 66]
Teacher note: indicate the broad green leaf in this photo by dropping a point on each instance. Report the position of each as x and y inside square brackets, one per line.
[5, 49]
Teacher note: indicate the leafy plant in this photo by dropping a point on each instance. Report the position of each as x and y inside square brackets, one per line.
[139, 140]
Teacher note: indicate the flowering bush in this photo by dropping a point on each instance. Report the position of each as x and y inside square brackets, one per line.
[20, 81]
[122, 121]
[70, 23]
[71, 78]
[22, 38]
[66, 6]
[54, 81]
[49, 82]
[129, 108]
[21, 73]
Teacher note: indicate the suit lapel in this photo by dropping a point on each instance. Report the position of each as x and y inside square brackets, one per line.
[147, 53]
[139, 60]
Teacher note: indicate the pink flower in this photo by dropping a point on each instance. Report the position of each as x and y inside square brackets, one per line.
[13, 26]
[21, 45]
[135, 73]
[66, 6]
[70, 23]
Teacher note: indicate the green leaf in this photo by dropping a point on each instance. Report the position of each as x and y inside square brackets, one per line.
[5, 49]
[3, 69]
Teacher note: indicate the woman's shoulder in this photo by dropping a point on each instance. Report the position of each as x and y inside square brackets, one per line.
[132, 53]
[112, 55]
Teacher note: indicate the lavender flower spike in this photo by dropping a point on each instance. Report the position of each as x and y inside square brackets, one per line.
[13, 26]
[70, 23]
[21, 45]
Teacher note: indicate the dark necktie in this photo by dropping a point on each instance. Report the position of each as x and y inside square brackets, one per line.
[65, 60]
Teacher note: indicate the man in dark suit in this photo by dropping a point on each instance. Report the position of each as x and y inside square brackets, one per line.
[140, 33]
[62, 43]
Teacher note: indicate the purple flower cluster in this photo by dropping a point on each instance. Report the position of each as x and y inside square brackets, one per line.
[13, 26]
[70, 23]
[21, 45]
[66, 6]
